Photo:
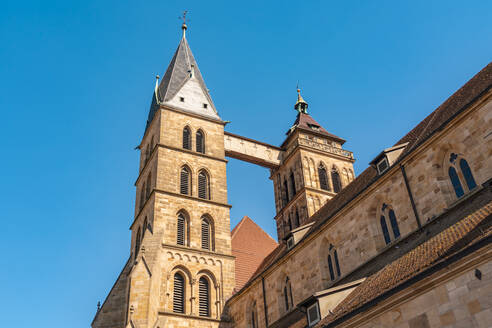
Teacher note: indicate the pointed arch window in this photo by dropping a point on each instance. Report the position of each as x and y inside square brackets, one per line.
[142, 196]
[203, 185]
[182, 230]
[204, 297]
[292, 184]
[149, 180]
[137, 241]
[200, 142]
[333, 264]
[286, 192]
[388, 216]
[335, 178]
[185, 181]
[253, 316]
[144, 227]
[288, 294]
[207, 234]
[297, 221]
[460, 175]
[187, 138]
[323, 177]
[179, 294]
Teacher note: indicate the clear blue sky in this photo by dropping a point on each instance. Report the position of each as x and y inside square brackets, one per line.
[75, 87]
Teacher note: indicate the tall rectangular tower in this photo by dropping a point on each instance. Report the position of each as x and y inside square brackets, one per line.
[180, 267]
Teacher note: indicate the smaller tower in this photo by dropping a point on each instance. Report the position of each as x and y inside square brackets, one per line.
[313, 170]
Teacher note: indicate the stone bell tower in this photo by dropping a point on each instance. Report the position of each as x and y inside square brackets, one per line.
[313, 169]
[180, 268]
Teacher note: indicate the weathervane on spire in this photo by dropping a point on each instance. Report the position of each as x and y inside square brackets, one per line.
[184, 27]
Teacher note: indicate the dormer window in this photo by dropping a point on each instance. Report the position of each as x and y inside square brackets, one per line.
[181, 99]
[290, 242]
[313, 127]
[382, 165]
[313, 314]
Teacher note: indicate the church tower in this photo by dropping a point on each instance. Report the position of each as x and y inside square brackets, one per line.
[180, 267]
[313, 169]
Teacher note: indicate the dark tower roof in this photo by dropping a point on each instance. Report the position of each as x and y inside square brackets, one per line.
[181, 68]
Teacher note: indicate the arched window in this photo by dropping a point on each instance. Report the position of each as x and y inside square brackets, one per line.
[179, 293]
[147, 191]
[333, 264]
[137, 241]
[200, 142]
[286, 192]
[142, 196]
[253, 316]
[185, 180]
[297, 222]
[455, 181]
[460, 175]
[292, 184]
[467, 174]
[187, 138]
[207, 234]
[144, 227]
[288, 294]
[203, 297]
[388, 214]
[323, 177]
[182, 230]
[203, 185]
[335, 178]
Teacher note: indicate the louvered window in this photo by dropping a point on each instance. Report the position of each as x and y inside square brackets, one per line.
[335, 178]
[179, 294]
[206, 234]
[204, 297]
[203, 185]
[185, 181]
[186, 138]
[200, 142]
[181, 230]
[323, 178]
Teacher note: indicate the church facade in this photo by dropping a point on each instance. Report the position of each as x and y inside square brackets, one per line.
[407, 243]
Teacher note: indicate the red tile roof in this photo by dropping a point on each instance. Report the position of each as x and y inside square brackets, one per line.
[250, 245]
[464, 233]
[306, 122]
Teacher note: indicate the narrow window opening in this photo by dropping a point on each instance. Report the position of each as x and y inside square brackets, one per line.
[178, 294]
[185, 181]
[187, 138]
[204, 297]
[181, 99]
[181, 230]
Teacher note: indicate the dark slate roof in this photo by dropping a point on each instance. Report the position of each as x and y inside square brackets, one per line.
[304, 121]
[470, 230]
[177, 73]
[458, 102]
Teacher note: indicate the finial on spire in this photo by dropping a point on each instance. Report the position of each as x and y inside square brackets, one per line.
[301, 105]
[184, 26]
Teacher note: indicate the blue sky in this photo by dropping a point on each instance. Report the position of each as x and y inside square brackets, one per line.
[75, 87]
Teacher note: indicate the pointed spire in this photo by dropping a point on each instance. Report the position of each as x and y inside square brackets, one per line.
[182, 70]
[300, 106]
